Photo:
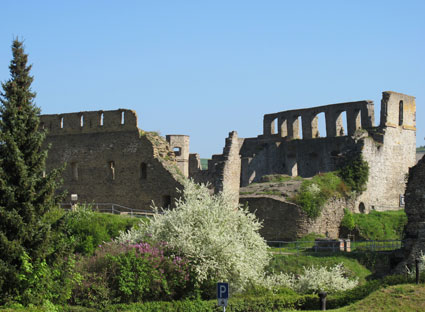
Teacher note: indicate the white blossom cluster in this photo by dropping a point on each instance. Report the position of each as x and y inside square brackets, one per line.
[313, 280]
[220, 238]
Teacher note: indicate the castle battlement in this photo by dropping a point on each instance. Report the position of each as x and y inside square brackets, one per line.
[89, 122]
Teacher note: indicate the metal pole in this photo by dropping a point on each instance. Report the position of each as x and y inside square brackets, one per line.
[322, 296]
[417, 270]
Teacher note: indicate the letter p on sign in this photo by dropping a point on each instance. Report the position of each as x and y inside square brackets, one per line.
[222, 293]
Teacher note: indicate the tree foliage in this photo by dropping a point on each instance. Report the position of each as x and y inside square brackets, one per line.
[354, 170]
[26, 191]
[220, 239]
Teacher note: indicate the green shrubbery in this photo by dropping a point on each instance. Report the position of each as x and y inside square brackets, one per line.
[316, 191]
[120, 273]
[354, 171]
[88, 229]
[384, 225]
[351, 177]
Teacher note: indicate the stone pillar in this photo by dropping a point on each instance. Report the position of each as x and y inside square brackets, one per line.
[293, 127]
[306, 120]
[330, 123]
[283, 127]
[353, 121]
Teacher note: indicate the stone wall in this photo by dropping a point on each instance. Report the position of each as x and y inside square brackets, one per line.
[389, 148]
[109, 160]
[414, 232]
[224, 170]
[180, 146]
[283, 220]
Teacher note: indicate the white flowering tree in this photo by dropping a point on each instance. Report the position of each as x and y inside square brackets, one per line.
[220, 238]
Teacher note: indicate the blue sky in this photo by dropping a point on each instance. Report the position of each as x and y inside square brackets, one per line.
[204, 68]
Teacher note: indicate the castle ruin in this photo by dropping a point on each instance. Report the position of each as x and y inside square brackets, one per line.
[110, 160]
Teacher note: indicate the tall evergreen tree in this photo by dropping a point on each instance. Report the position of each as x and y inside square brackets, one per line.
[26, 191]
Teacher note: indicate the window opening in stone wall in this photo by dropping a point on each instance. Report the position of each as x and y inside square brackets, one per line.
[74, 169]
[112, 169]
[362, 208]
[61, 123]
[166, 201]
[81, 121]
[321, 126]
[177, 151]
[274, 126]
[299, 134]
[101, 119]
[341, 123]
[400, 113]
[343, 131]
[143, 171]
[122, 118]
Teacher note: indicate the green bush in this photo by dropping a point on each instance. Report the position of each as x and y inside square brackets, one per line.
[377, 225]
[316, 191]
[354, 171]
[90, 229]
[120, 273]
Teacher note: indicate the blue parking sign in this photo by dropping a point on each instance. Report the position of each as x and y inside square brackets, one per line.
[222, 293]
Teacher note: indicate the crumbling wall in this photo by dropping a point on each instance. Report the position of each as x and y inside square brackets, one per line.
[283, 220]
[414, 231]
[180, 146]
[389, 148]
[109, 160]
[224, 170]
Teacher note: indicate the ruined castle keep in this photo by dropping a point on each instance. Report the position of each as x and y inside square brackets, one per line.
[108, 159]
[388, 148]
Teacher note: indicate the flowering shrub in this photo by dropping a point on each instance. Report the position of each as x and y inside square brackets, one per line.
[219, 238]
[129, 273]
[313, 280]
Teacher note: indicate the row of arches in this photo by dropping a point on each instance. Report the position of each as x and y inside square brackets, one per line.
[314, 125]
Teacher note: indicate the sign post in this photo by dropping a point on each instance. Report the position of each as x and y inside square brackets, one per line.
[223, 294]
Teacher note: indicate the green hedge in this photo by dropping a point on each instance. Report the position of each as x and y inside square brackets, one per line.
[89, 229]
[384, 225]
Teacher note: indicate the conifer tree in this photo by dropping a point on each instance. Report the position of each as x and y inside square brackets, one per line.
[26, 191]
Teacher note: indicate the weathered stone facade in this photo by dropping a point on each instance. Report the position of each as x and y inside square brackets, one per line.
[224, 170]
[109, 160]
[414, 231]
[283, 220]
[389, 148]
